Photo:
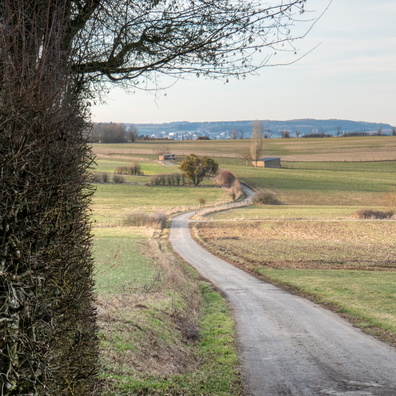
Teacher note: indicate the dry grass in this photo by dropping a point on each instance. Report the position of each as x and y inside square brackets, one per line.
[373, 214]
[372, 148]
[265, 197]
[304, 244]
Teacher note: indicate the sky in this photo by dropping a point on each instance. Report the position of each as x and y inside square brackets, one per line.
[349, 74]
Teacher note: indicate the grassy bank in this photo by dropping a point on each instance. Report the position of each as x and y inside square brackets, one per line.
[163, 330]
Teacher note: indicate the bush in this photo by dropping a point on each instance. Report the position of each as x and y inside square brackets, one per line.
[100, 177]
[265, 197]
[224, 178]
[140, 219]
[117, 179]
[236, 190]
[373, 214]
[173, 179]
[133, 169]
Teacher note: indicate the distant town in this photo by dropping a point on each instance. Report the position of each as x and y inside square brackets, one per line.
[109, 132]
[271, 129]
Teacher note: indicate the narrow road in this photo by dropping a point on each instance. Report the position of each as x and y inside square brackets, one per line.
[289, 345]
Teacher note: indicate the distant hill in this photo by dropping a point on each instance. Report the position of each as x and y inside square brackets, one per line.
[229, 129]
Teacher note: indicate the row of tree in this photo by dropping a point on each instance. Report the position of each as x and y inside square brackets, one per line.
[113, 133]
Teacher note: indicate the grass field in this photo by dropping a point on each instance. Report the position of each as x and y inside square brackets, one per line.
[112, 202]
[371, 148]
[355, 185]
[347, 265]
[165, 331]
[162, 331]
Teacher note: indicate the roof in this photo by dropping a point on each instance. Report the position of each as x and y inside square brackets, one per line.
[268, 159]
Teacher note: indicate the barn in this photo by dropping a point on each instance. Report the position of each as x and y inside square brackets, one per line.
[269, 162]
[167, 157]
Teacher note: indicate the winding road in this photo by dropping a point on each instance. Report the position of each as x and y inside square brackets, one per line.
[289, 345]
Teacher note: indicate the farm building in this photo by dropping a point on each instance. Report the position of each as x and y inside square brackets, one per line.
[269, 162]
[167, 157]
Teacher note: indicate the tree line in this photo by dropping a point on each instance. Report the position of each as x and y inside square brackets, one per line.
[112, 132]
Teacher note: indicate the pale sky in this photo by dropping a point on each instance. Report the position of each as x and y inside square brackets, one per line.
[350, 75]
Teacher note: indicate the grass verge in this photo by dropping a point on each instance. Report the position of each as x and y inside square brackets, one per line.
[163, 330]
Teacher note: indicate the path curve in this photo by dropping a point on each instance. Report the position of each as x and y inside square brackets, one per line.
[289, 345]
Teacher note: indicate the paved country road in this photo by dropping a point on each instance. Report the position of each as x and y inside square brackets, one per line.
[289, 345]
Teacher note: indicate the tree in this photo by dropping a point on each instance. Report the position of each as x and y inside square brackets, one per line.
[236, 134]
[132, 133]
[109, 132]
[245, 153]
[268, 133]
[162, 149]
[56, 56]
[256, 141]
[285, 134]
[196, 168]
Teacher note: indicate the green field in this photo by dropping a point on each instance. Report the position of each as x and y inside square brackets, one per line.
[311, 244]
[162, 329]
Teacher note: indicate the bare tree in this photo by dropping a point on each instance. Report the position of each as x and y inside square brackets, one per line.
[236, 134]
[245, 154]
[256, 141]
[285, 134]
[268, 133]
[132, 133]
[139, 41]
[109, 132]
[297, 133]
[57, 55]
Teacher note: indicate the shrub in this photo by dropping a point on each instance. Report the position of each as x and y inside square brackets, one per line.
[140, 219]
[159, 219]
[117, 179]
[100, 177]
[173, 179]
[133, 169]
[265, 197]
[236, 190]
[224, 178]
[372, 214]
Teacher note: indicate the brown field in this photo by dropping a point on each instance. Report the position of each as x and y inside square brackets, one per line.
[362, 245]
[371, 148]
